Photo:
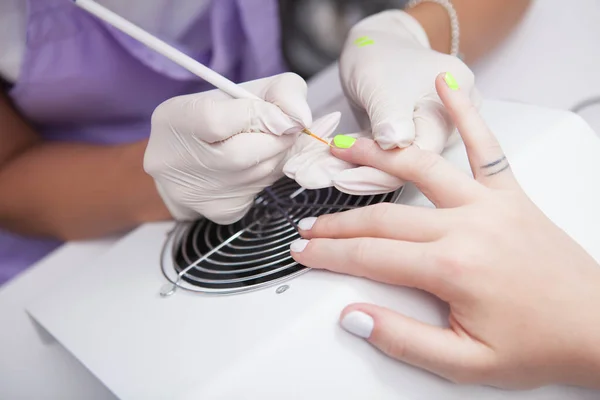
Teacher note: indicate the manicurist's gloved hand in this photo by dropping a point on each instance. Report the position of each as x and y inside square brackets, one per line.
[387, 70]
[210, 154]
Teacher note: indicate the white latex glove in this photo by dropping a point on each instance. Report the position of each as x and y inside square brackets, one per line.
[388, 76]
[388, 72]
[210, 154]
[311, 164]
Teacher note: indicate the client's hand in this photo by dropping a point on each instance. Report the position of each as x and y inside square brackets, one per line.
[523, 296]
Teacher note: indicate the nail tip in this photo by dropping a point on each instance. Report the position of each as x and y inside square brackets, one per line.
[358, 323]
[306, 224]
[451, 81]
[299, 245]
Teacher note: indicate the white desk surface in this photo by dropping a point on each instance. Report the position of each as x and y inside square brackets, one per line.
[540, 64]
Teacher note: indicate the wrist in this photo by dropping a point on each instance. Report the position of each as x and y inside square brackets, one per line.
[434, 20]
[149, 207]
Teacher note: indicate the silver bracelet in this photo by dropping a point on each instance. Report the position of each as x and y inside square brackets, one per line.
[454, 24]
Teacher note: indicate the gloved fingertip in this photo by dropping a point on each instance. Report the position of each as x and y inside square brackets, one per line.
[386, 145]
[392, 134]
[361, 188]
[293, 130]
[366, 181]
[336, 114]
[281, 126]
[313, 181]
[326, 125]
[228, 219]
[290, 175]
[299, 113]
[303, 121]
[306, 120]
[290, 169]
[230, 214]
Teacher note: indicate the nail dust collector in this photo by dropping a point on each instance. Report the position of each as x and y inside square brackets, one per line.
[201, 311]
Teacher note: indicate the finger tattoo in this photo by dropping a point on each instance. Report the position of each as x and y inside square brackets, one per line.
[495, 167]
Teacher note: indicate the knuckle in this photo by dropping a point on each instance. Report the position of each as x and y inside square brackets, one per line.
[395, 347]
[470, 109]
[425, 163]
[160, 113]
[151, 164]
[474, 373]
[188, 104]
[372, 151]
[360, 253]
[325, 225]
[294, 79]
[510, 212]
[206, 111]
[379, 213]
[493, 146]
[365, 154]
[195, 114]
[450, 265]
[452, 260]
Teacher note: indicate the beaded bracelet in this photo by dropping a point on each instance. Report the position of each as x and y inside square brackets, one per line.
[454, 24]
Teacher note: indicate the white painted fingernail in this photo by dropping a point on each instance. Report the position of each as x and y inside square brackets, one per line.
[307, 223]
[299, 245]
[358, 323]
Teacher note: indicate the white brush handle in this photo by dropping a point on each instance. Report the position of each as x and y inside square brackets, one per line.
[210, 76]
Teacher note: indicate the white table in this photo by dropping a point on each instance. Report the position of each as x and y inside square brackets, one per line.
[33, 366]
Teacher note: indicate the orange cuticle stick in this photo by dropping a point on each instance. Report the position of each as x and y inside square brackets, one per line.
[309, 133]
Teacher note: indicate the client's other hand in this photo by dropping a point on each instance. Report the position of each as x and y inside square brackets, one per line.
[523, 296]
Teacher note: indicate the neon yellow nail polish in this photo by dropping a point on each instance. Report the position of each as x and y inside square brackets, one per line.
[343, 141]
[450, 81]
[364, 41]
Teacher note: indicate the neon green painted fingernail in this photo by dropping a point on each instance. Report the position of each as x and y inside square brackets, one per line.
[364, 41]
[450, 81]
[343, 141]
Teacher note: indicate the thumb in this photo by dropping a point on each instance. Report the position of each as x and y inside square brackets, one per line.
[438, 350]
[365, 181]
[391, 120]
[229, 210]
[433, 125]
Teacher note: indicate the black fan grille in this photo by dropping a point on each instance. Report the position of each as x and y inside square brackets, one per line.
[256, 253]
